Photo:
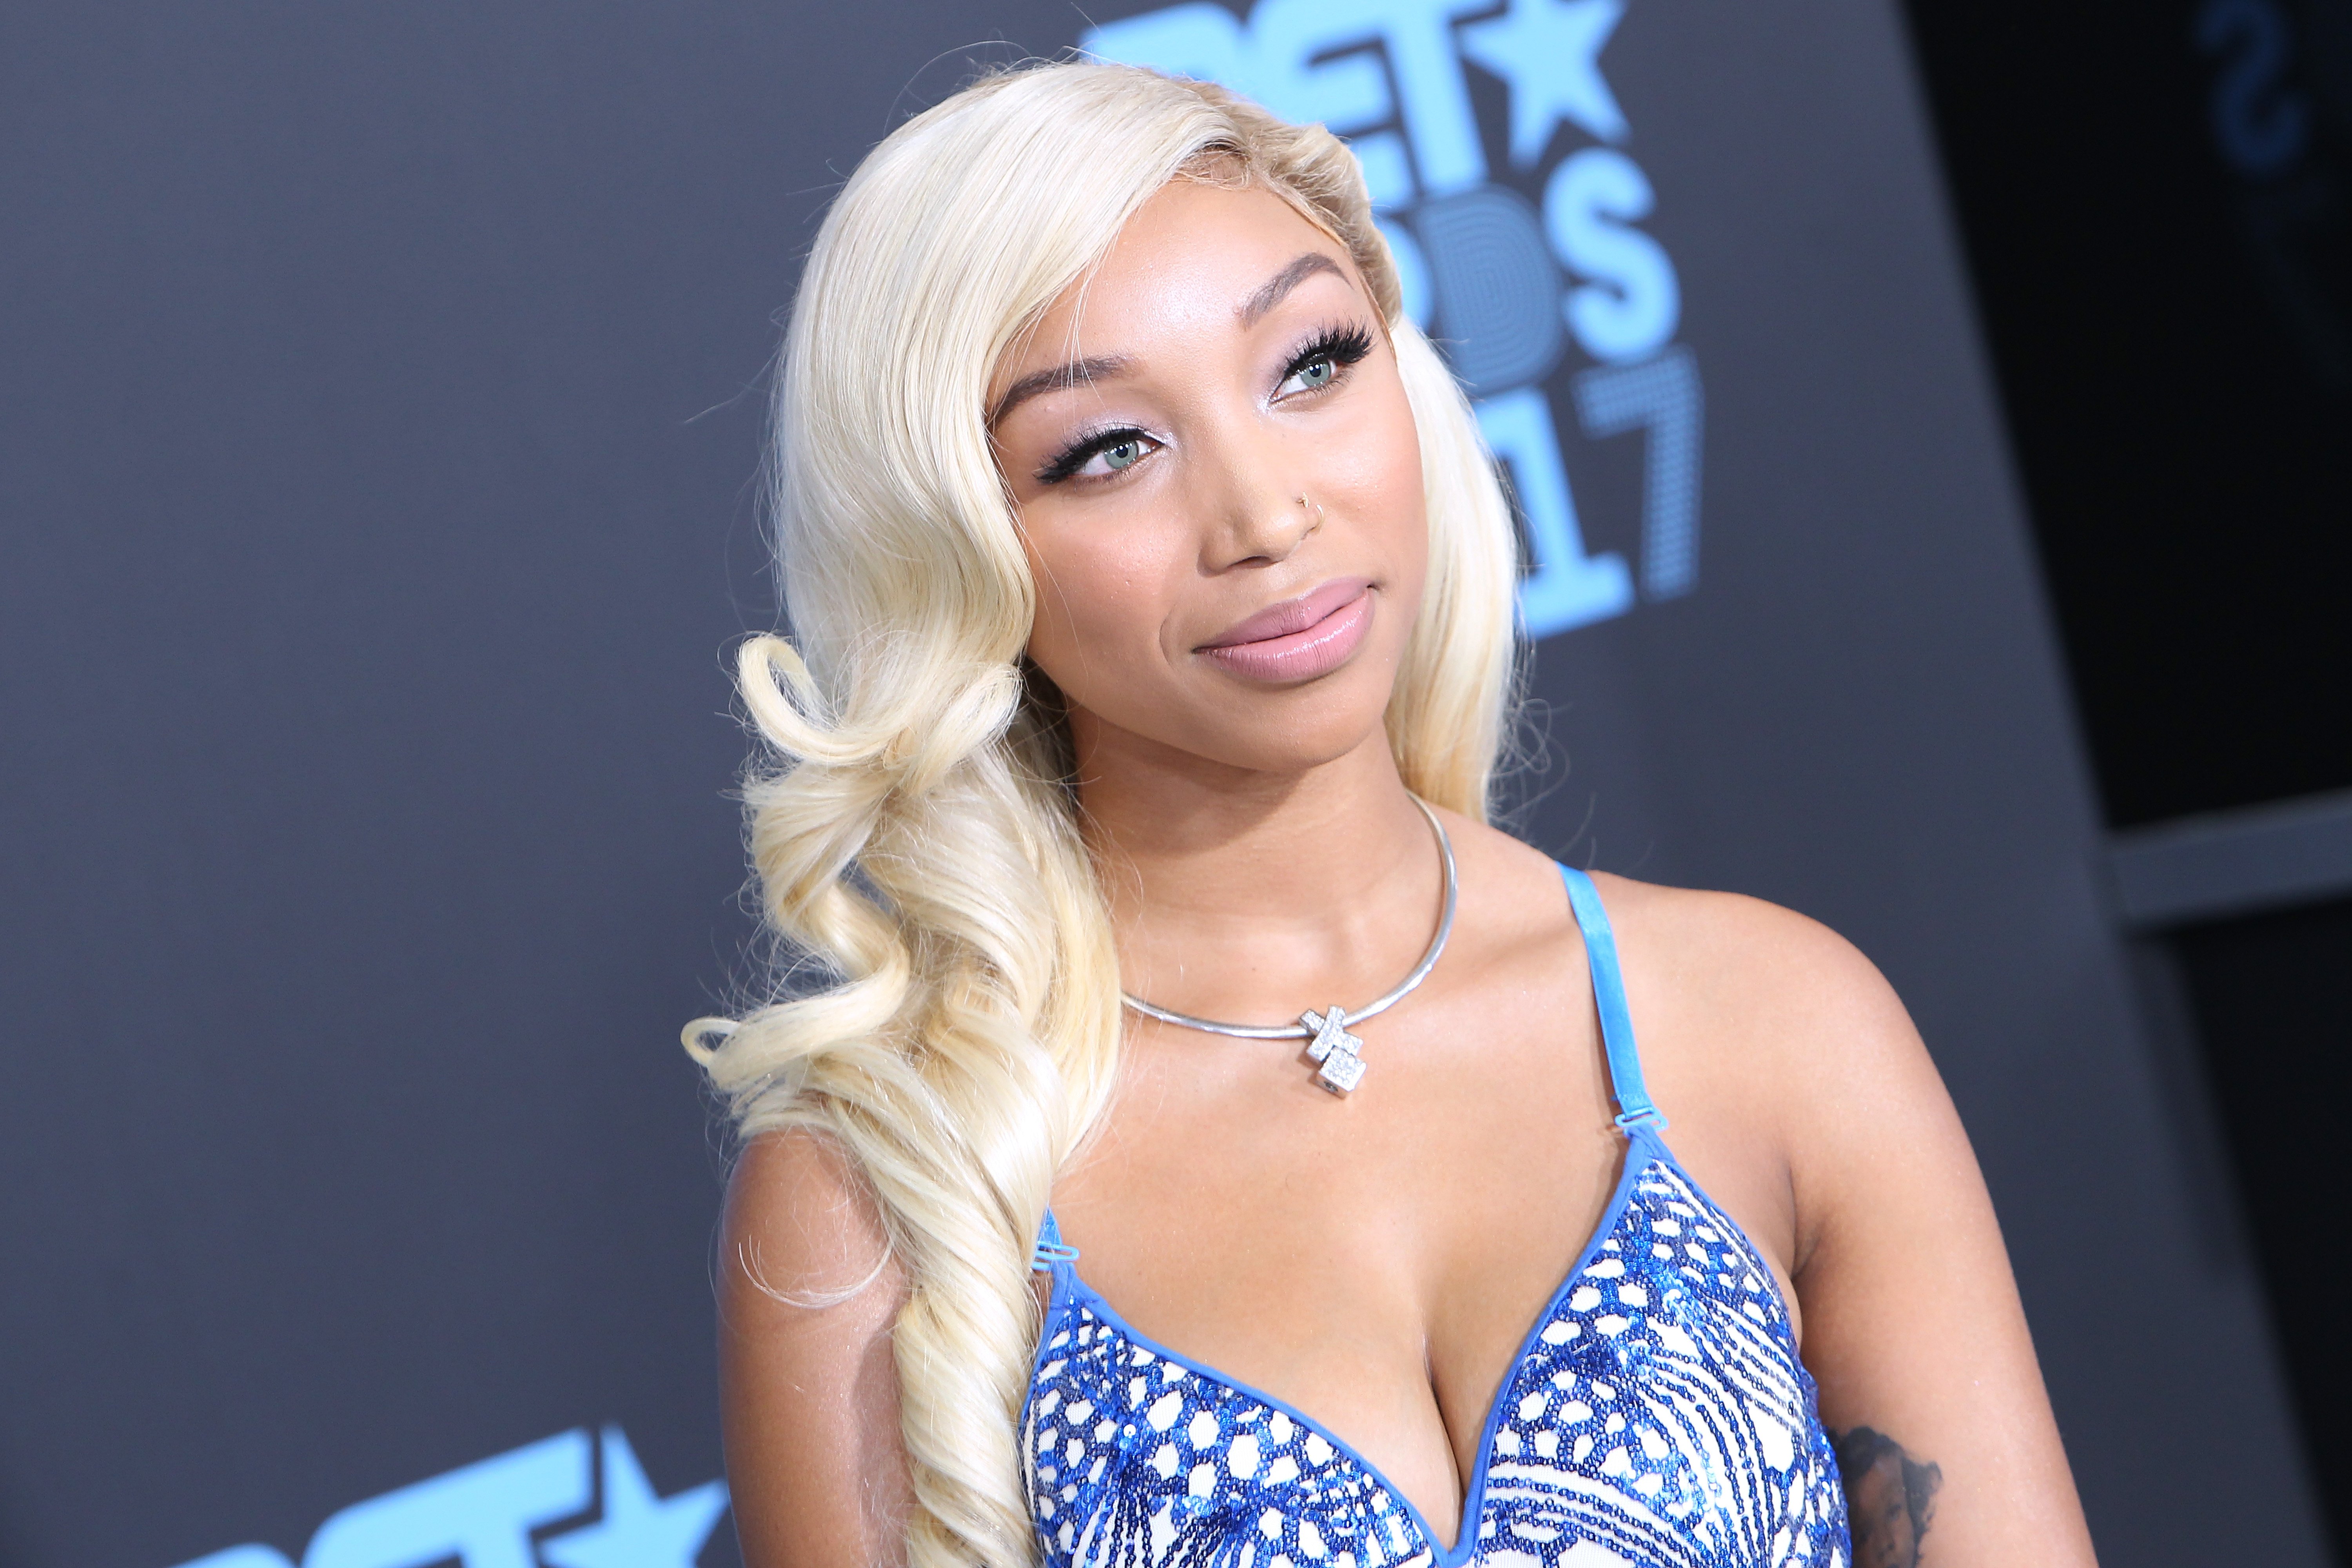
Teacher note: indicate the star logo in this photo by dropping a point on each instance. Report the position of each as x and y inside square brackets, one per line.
[1549, 51]
[639, 1530]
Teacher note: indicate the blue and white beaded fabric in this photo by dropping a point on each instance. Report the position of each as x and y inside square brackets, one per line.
[1657, 1416]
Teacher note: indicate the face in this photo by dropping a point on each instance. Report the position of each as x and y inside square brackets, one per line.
[1881, 1511]
[1219, 488]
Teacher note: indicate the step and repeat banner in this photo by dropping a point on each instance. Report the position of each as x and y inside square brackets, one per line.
[376, 465]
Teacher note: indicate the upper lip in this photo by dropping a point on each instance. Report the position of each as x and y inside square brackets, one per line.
[1292, 615]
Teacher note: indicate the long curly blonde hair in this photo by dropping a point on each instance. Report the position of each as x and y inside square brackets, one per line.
[911, 821]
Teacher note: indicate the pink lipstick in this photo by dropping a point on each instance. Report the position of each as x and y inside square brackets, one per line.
[1300, 638]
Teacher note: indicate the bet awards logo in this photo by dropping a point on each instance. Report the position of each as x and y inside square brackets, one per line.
[538, 1506]
[1505, 283]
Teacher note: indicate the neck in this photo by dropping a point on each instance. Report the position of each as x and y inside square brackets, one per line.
[1258, 893]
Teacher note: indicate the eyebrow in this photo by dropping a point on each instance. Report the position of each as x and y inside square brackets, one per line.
[1058, 378]
[1106, 367]
[1254, 309]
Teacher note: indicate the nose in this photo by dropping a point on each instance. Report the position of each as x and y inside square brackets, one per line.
[1266, 511]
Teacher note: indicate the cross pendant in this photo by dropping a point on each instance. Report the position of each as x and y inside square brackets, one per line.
[1342, 1067]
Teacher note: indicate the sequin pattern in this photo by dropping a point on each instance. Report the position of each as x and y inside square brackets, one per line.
[1658, 1417]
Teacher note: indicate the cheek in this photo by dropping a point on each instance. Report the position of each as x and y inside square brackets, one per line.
[1099, 609]
[1376, 474]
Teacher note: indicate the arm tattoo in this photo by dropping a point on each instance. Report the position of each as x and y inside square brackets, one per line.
[1890, 1498]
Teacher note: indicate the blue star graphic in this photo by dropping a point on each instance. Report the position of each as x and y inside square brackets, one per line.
[1549, 53]
[639, 1530]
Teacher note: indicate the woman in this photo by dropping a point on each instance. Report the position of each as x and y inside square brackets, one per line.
[1149, 578]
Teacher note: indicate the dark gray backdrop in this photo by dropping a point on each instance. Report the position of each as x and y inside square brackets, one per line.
[373, 466]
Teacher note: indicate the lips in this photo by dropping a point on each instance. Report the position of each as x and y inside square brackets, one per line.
[1298, 638]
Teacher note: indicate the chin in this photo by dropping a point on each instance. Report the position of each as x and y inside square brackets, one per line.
[1286, 744]
[1259, 729]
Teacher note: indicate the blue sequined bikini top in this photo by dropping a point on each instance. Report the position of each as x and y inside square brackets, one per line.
[1657, 1416]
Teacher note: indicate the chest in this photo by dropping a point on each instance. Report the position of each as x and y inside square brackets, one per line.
[1375, 1259]
[1377, 1262]
[1653, 1413]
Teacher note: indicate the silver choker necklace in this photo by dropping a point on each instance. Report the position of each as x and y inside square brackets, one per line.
[1338, 1053]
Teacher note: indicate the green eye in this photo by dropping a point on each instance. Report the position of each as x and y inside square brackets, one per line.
[1102, 456]
[1313, 375]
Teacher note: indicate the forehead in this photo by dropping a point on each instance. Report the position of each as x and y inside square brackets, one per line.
[1187, 262]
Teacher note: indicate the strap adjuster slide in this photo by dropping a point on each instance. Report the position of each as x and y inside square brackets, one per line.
[1048, 1254]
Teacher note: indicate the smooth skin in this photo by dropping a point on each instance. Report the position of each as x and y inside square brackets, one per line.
[1376, 1261]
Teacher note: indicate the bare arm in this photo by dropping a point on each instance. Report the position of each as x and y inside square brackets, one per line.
[1911, 1325]
[809, 1390]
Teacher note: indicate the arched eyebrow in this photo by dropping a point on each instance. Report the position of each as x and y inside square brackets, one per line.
[1254, 309]
[1058, 378]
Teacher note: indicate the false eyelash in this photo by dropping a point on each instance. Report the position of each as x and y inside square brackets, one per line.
[1075, 457]
[1343, 346]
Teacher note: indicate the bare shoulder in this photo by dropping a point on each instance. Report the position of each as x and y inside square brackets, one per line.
[802, 1227]
[1785, 977]
[1732, 929]
[1726, 948]
[1694, 951]
[1771, 983]
[1780, 1034]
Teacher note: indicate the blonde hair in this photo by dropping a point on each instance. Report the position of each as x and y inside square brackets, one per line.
[915, 835]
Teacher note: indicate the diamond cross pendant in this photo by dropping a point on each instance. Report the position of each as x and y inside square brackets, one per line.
[1342, 1067]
